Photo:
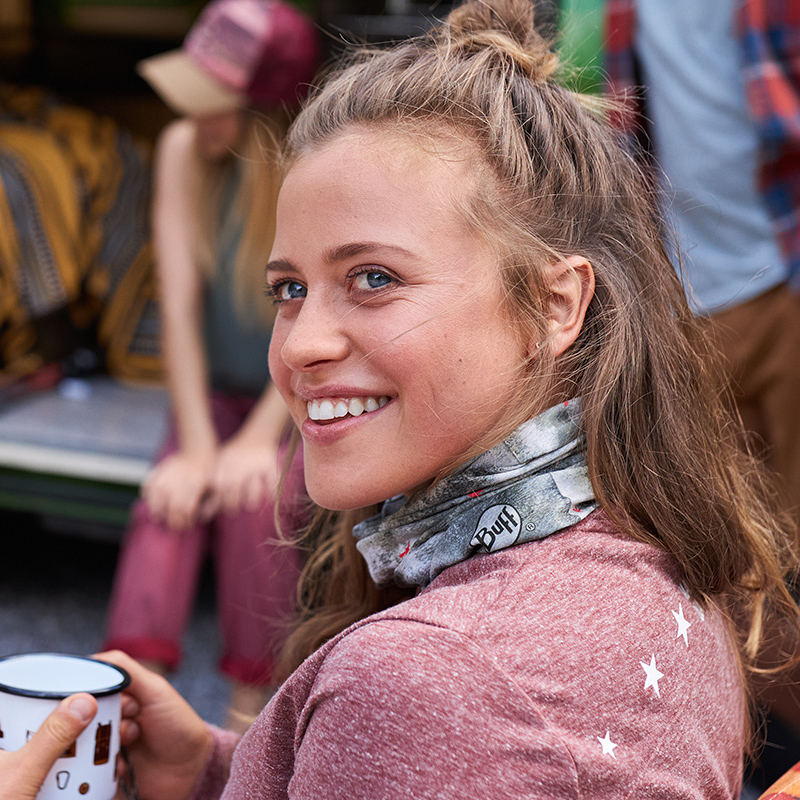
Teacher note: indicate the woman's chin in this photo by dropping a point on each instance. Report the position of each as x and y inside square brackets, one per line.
[342, 501]
[339, 494]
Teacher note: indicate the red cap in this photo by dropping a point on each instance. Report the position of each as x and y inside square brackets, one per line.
[238, 53]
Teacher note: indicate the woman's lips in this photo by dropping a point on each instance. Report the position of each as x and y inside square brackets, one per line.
[327, 431]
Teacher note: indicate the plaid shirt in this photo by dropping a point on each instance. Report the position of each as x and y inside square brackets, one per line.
[769, 37]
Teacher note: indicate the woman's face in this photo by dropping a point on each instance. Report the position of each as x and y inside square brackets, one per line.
[390, 345]
[218, 134]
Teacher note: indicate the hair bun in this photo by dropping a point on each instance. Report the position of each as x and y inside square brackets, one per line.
[506, 26]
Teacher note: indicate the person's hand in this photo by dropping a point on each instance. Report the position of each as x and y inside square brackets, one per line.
[23, 771]
[166, 741]
[246, 475]
[176, 489]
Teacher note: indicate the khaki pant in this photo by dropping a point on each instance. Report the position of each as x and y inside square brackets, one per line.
[760, 340]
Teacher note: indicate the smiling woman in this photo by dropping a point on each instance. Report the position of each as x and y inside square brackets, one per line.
[534, 524]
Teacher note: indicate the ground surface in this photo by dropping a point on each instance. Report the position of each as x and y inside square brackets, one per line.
[54, 589]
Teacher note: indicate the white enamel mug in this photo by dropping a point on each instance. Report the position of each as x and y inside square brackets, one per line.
[31, 686]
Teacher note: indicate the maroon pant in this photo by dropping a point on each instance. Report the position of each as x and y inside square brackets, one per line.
[255, 573]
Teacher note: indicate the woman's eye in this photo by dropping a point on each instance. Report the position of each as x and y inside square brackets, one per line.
[287, 290]
[371, 280]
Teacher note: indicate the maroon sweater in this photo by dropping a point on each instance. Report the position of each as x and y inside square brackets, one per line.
[572, 667]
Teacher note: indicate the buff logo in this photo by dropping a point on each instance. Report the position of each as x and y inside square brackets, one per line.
[498, 527]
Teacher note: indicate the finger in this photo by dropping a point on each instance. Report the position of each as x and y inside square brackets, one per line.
[175, 521]
[221, 472]
[179, 514]
[235, 498]
[223, 483]
[189, 505]
[255, 492]
[222, 492]
[130, 706]
[120, 659]
[129, 732]
[150, 481]
[145, 684]
[154, 498]
[57, 733]
[121, 771]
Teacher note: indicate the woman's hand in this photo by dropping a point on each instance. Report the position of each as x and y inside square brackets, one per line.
[246, 475]
[177, 488]
[247, 471]
[167, 743]
[23, 771]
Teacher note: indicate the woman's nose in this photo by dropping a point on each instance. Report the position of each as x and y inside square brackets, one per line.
[314, 337]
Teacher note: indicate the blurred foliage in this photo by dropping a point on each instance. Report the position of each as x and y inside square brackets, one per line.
[580, 42]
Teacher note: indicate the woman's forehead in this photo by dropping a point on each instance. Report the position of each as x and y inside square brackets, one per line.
[379, 160]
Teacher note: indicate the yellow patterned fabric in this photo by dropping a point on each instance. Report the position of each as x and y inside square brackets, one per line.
[74, 236]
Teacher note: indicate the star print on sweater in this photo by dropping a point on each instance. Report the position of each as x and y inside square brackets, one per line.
[652, 674]
[697, 607]
[683, 624]
[607, 744]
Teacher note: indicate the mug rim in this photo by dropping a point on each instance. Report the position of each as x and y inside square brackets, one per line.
[60, 695]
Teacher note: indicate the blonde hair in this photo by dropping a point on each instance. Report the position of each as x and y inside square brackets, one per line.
[663, 450]
[255, 201]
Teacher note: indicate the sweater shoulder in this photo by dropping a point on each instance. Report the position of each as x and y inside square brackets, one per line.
[590, 573]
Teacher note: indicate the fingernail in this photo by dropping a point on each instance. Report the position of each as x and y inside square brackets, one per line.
[82, 708]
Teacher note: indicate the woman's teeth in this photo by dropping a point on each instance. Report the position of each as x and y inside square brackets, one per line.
[321, 410]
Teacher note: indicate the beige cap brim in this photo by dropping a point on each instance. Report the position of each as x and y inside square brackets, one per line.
[185, 88]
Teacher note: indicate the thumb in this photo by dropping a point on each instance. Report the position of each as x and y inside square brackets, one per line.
[57, 733]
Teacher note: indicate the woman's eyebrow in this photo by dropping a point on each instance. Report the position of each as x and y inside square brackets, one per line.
[353, 249]
[280, 265]
[340, 253]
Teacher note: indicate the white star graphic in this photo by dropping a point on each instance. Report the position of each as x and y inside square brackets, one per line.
[607, 745]
[653, 675]
[685, 592]
[683, 624]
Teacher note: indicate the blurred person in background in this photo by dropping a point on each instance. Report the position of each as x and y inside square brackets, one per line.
[242, 70]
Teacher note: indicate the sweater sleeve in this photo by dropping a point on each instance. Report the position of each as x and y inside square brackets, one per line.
[215, 774]
[405, 709]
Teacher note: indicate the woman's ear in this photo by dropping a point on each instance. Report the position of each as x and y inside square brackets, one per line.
[571, 283]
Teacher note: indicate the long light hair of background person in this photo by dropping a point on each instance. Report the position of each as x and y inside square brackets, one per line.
[255, 202]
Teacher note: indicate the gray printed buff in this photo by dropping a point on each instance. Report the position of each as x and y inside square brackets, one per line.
[529, 486]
